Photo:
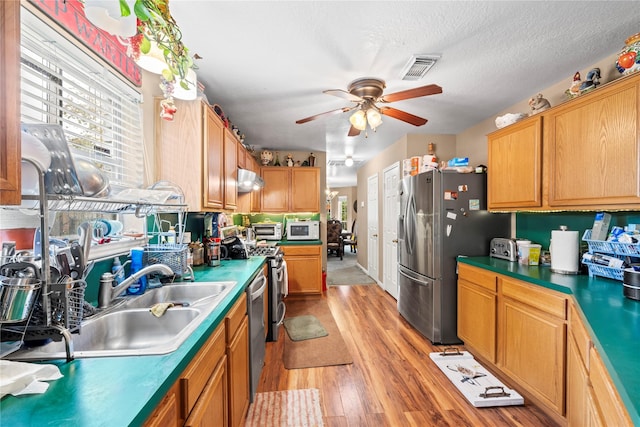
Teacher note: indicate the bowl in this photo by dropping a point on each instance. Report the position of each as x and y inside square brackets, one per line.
[94, 183]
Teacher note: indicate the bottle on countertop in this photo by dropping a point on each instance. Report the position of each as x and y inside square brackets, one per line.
[171, 236]
[140, 285]
[118, 272]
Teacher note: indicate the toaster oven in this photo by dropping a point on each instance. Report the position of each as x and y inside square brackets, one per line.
[267, 230]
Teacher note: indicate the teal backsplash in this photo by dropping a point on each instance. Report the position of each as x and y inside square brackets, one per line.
[537, 226]
[283, 218]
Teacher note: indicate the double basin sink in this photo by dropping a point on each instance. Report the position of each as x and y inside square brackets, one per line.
[128, 327]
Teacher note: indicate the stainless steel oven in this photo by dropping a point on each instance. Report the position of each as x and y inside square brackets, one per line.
[255, 308]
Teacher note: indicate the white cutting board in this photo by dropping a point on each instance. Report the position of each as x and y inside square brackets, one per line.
[460, 367]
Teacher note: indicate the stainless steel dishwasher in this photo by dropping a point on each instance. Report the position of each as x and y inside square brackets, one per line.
[255, 308]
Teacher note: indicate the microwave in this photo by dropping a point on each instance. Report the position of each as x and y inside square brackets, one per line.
[303, 230]
[267, 230]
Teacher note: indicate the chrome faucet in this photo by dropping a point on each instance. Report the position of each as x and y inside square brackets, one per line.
[108, 292]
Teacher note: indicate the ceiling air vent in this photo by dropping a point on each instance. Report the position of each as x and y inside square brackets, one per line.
[356, 163]
[418, 66]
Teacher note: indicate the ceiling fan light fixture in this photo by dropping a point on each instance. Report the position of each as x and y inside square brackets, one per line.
[374, 118]
[348, 162]
[358, 120]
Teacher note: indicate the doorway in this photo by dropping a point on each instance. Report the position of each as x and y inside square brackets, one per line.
[391, 210]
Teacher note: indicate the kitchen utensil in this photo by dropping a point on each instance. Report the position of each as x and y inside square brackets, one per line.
[17, 297]
[94, 182]
[61, 176]
[8, 252]
[631, 284]
[77, 269]
[565, 248]
[20, 270]
[85, 231]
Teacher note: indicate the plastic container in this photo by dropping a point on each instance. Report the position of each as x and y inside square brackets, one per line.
[140, 285]
[530, 254]
[171, 236]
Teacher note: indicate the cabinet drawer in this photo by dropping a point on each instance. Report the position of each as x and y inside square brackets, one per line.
[543, 299]
[235, 316]
[580, 335]
[195, 377]
[479, 276]
[301, 250]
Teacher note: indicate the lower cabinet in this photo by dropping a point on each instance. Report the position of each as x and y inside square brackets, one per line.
[213, 391]
[304, 267]
[541, 346]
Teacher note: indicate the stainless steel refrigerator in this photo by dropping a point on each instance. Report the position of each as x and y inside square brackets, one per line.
[443, 214]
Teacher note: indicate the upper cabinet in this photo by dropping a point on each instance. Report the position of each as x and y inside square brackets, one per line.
[515, 171]
[290, 189]
[582, 154]
[196, 152]
[10, 105]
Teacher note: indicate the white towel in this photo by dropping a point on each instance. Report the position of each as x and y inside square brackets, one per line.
[25, 378]
[285, 281]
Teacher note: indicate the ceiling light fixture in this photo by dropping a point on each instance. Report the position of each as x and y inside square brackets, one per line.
[366, 114]
[348, 161]
[358, 120]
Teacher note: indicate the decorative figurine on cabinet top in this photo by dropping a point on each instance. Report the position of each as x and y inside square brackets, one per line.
[593, 80]
[629, 58]
[289, 160]
[538, 104]
[574, 89]
[266, 157]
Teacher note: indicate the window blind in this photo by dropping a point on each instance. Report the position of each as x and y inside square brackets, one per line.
[100, 114]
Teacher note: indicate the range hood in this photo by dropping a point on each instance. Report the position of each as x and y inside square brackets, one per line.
[248, 181]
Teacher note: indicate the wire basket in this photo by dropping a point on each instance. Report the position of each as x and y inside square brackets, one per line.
[66, 302]
[617, 248]
[604, 271]
[173, 255]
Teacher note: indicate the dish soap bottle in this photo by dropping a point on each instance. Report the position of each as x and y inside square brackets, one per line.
[171, 236]
[140, 285]
[118, 272]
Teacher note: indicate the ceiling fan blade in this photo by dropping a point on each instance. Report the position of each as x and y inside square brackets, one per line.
[354, 132]
[402, 115]
[328, 113]
[412, 93]
[343, 94]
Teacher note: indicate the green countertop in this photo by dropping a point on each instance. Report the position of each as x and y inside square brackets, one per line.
[612, 320]
[122, 391]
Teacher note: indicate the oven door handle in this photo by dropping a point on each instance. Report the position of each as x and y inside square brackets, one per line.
[284, 311]
[280, 272]
[259, 292]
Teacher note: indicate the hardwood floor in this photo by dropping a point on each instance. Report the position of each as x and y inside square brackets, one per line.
[392, 381]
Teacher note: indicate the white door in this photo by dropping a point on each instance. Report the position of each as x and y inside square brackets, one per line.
[372, 227]
[391, 209]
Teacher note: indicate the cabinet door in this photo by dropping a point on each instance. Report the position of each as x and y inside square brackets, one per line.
[238, 372]
[275, 194]
[305, 189]
[577, 386]
[304, 267]
[477, 318]
[230, 170]
[10, 179]
[179, 151]
[605, 394]
[213, 160]
[593, 148]
[514, 177]
[166, 413]
[211, 408]
[532, 351]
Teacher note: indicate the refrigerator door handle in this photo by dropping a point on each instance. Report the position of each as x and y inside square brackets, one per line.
[413, 278]
[410, 216]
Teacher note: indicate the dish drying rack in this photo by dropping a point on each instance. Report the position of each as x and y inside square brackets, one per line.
[59, 309]
[624, 251]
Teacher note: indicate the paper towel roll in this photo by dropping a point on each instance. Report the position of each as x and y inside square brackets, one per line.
[565, 246]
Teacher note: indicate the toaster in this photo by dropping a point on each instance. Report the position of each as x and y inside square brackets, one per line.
[503, 248]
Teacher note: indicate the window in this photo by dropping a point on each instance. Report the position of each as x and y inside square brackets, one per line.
[342, 210]
[100, 114]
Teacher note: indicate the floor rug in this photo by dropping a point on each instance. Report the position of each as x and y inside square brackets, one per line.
[324, 351]
[288, 408]
[306, 327]
[348, 276]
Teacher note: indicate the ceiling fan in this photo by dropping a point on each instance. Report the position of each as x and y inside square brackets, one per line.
[366, 93]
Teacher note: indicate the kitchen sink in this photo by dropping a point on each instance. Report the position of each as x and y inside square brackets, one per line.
[130, 329]
[193, 294]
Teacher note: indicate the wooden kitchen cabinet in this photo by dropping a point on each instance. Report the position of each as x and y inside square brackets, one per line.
[167, 413]
[477, 310]
[248, 202]
[532, 340]
[594, 148]
[581, 154]
[304, 267]
[10, 146]
[196, 152]
[290, 189]
[210, 410]
[514, 178]
[237, 326]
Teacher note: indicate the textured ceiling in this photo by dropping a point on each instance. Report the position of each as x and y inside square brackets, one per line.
[266, 63]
